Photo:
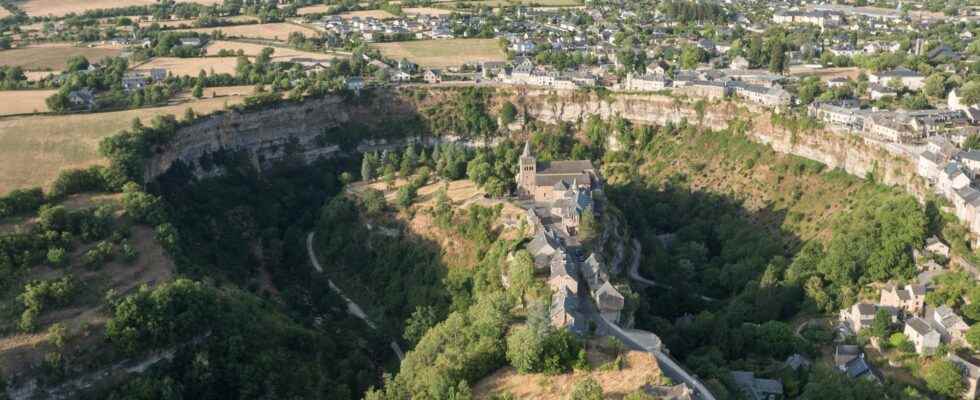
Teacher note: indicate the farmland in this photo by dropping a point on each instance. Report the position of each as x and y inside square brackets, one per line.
[191, 66]
[53, 56]
[276, 31]
[379, 14]
[252, 50]
[58, 8]
[316, 9]
[426, 11]
[444, 53]
[33, 150]
[23, 101]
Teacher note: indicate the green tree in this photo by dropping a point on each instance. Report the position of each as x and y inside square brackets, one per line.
[691, 56]
[586, 389]
[972, 142]
[367, 169]
[777, 60]
[945, 378]
[198, 90]
[588, 226]
[973, 335]
[420, 322]
[970, 93]
[524, 349]
[935, 85]
[508, 113]
[520, 273]
[881, 325]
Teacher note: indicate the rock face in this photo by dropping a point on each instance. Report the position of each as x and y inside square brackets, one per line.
[270, 134]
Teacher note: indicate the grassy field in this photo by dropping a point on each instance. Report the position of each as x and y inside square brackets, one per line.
[316, 9]
[190, 23]
[540, 3]
[58, 8]
[277, 31]
[826, 73]
[444, 53]
[53, 56]
[252, 50]
[191, 66]
[34, 149]
[23, 101]
[640, 369]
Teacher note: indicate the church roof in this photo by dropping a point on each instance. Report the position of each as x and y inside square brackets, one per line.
[565, 167]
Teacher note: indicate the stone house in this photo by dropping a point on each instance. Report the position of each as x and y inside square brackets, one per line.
[542, 247]
[858, 317]
[908, 78]
[432, 76]
[849, 359]
[755, 388]
[908, 298]
[564, 311]
[923, 337]
[610, 302]
[951, 327]
[593, 272]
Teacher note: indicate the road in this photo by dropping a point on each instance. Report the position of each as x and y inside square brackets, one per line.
[352, 307]
[635, 272]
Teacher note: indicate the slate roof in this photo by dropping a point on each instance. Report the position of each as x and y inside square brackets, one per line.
[919, 326]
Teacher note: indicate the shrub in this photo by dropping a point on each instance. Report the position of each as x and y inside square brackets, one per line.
[129, 253]
[21, 201]
[587, 389]
[41, 295]
[98, 255]
[57, 257]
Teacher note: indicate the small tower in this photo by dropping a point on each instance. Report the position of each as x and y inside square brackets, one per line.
[528, 169]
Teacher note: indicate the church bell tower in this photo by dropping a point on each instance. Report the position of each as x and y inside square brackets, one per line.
[528, 169]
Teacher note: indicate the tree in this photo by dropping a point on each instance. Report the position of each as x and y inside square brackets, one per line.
[935, 85]
[367, 168]
[77, 63]
[508, 113]
[524, 349]
[691, 56]
[777, 60]
[588, 226]
[421, 320]
[520, 273]
[970, 93]
[198, 90]
[972, 142]
[945, 378]
[587, 389]
[881, 324]
[973, 336]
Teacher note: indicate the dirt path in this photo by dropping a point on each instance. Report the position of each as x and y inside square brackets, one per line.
[352, 307]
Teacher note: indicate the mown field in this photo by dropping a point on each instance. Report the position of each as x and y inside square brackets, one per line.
[53, 57]
[276, 31]
[23, 101]
[191, 66]
[444, 53]
[58, 8]
[34, 149]
[252, 50]
[426, 11]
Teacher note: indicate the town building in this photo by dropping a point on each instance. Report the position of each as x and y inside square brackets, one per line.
[550, 181]
[909, 298]
[756, 388]
[924, 338]
[951, 327]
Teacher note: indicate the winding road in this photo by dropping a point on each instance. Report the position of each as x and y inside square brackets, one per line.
[352, 307]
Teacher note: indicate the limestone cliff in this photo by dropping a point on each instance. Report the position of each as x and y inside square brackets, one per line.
[267, 134]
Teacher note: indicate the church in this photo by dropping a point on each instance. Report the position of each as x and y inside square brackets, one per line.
[553, 181]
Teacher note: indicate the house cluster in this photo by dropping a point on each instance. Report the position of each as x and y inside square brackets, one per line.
[952, 173]
[372, 29]
[524, 72]
[559, 193]
[901, 126]
[756, 86]
[136, 80]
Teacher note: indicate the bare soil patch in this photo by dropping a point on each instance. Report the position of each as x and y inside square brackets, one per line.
[379, 14]
[426, 11]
